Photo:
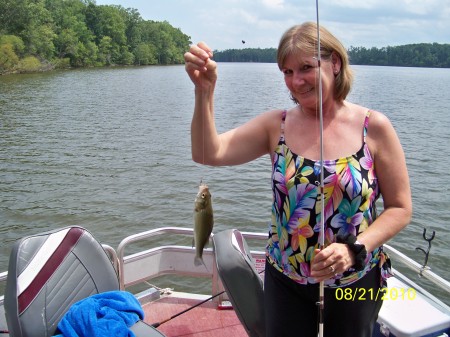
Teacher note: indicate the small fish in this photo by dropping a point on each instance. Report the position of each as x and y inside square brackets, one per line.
[203, 222]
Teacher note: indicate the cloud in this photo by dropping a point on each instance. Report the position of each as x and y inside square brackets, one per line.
[420, 7]
[273, 4]
[389, 6]
[223, 24]
[351, 4]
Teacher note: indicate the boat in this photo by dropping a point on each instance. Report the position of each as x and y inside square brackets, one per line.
[408, 309]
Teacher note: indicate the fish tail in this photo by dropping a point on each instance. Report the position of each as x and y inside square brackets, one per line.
[198, 261]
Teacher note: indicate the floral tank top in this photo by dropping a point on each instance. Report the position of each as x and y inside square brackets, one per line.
[351, 191]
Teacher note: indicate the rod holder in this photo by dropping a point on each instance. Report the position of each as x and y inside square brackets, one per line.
[427, 252]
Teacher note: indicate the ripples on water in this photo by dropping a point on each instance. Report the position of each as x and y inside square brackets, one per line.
[109, 149]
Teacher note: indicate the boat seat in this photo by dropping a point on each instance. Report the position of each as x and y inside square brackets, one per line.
[240, 280]
[49, 272]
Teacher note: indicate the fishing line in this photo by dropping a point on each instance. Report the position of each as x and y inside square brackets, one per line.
[155, 325]
[203, 136]
[203, 131]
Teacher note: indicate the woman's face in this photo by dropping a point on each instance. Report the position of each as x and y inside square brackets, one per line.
[301, 75]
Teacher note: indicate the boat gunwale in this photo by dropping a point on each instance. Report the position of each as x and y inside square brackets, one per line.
[119, 259]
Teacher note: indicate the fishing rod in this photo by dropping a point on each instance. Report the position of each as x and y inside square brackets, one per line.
[321, 303]
[155, 325]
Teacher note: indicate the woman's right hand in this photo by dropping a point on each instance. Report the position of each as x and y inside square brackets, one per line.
[200, 67]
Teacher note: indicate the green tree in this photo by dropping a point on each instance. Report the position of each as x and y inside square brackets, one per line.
[107, 21]
[246, 55]
[38, 34]
[70, 15]
[170, 42]
[40, 41]
[66, 43]
[30, 64]
[105, 50]
[145, 54]
[132, 20]
[8, 58]
[86, 55]
[126, 57]
[80, 33]
[13, 16]
[11, 49]
[411, 55]
[16, 43]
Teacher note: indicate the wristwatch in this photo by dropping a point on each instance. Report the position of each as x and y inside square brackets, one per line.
[358, 249]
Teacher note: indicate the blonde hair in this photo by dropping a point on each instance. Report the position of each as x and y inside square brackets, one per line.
[302, 39]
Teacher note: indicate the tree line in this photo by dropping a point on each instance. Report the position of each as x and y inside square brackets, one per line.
[39, 35]
[266, 55]
[431, 55]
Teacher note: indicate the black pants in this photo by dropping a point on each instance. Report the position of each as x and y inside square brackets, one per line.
[291, 308]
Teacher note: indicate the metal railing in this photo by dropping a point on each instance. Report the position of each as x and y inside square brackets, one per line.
[119, 259]
[164, 260]
[418, 268]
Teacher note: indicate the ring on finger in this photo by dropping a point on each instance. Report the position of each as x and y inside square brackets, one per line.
[332, 269]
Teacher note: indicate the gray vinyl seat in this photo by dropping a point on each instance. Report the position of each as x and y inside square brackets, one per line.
[48, 272]
[241, 281]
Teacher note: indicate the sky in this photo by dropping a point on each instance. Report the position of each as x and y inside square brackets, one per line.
[223, 24]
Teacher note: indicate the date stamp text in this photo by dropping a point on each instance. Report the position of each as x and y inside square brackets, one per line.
[384, 294]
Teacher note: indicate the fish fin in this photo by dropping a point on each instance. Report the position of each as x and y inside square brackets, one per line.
[198, 261]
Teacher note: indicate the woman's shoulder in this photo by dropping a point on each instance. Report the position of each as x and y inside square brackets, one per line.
[380, 131]
[271, 118]
[268, 122]
[273, 121]
[276, 113]
[377, 120]
[379, 123]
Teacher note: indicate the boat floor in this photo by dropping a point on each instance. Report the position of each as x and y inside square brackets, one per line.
[205, 320]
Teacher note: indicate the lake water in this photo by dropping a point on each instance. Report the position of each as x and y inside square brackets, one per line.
[109, 149]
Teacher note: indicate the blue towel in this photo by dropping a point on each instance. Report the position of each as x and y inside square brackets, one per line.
[101, 315]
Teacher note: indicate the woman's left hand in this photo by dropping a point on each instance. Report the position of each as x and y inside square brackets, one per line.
[331, 261]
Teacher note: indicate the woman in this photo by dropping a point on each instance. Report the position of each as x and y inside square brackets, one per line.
[363, 158]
